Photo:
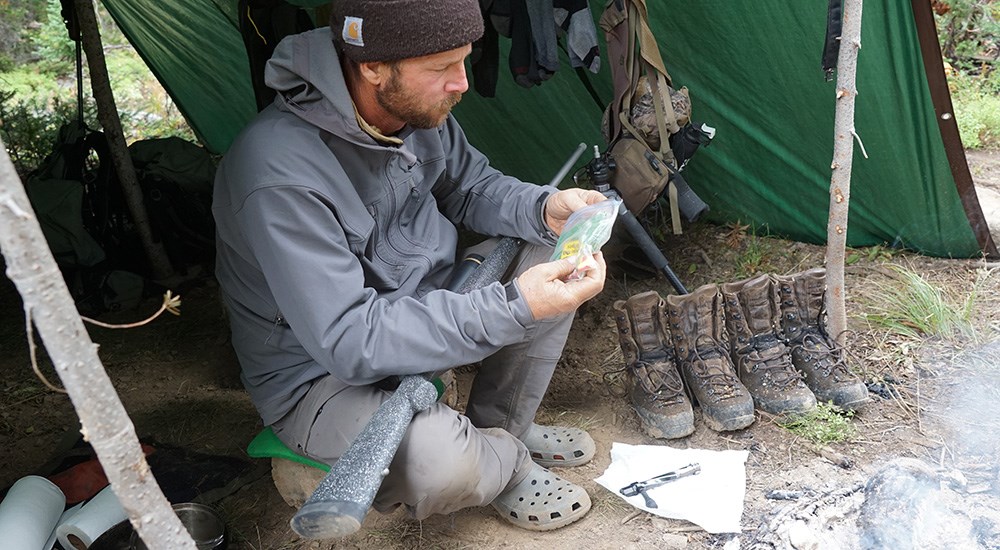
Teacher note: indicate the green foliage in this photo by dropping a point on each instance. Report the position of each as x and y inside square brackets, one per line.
[823, 425]
[916, 308]
[30, 128]
[38, 98]
[51, 44]
[969, 30]
[32, 86]
[872, 254]
[976, 99]
[755, 254]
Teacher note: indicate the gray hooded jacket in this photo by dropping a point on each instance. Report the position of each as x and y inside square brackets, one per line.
[332, 249]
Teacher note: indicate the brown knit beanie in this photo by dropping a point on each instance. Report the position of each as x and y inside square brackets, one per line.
[388, 30]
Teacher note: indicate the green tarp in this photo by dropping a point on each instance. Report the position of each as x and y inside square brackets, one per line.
[753, 69]
[195, 50]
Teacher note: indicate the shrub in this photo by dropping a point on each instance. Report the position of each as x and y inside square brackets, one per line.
[912, 306]
[976, 99]
[823, 425]
[30, 128]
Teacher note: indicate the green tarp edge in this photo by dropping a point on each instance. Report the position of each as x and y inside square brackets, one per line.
[197, 54]
[753, 71]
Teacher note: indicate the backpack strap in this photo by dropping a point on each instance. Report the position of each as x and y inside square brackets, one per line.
[831, 45]
[633, 51]
[647, 42]
[626, 27]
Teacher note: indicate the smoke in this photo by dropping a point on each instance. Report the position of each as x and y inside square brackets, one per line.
[968, 410]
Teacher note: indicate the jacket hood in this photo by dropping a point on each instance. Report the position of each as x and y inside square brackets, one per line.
[305, 72]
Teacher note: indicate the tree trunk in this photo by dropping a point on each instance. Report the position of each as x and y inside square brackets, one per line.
[840, 181]
[106, 425]
[107, 113]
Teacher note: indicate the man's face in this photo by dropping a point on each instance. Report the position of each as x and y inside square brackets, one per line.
[422, 91]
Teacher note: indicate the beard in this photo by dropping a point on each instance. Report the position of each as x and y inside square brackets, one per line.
[406, 106]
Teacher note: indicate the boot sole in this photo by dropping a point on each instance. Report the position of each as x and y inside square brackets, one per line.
[729, 424]
[680, 425]
[849, 399]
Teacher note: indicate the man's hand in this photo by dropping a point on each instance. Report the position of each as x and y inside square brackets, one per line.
[561, 204]
[548, 295]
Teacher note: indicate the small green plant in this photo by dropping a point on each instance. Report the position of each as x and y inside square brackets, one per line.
[877, 253]
[754, 256]
[823, 425]
[977, 108]
[916, 308]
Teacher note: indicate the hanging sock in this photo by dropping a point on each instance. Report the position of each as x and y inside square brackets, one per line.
[543, 35]
[500, 16]
[573, 17]
[523, 65]
[485, 57]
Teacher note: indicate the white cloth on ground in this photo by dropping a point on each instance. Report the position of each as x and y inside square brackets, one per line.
[712, 499]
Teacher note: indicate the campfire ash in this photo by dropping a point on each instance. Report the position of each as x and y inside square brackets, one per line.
[910, 503]
[906, 505]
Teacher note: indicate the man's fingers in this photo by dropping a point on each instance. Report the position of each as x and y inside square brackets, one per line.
[601, 266]
[593, 197]
[593, 278]
[556, 269]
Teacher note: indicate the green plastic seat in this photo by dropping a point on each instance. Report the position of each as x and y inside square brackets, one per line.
[267, 445]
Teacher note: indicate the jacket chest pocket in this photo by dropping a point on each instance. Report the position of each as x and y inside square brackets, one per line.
[409, 200]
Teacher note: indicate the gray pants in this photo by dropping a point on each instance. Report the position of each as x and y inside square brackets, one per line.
[447, 461]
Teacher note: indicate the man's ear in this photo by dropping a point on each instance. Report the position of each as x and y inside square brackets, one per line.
[375, 73]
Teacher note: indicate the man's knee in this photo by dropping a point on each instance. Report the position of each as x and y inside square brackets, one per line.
[446, 457]
[445, 464]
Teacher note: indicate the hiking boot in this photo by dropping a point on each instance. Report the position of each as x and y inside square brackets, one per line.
[762, 359]
[654, 384]
[697, 330]
[814, 353]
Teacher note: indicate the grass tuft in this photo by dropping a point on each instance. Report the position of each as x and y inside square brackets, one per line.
[754, 250]
[917, 308]
[823, 425]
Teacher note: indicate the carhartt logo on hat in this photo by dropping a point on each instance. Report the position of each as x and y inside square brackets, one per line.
[352, 31]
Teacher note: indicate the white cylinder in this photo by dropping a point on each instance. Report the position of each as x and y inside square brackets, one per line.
[91, 521]
[29, 512]
[62, 519]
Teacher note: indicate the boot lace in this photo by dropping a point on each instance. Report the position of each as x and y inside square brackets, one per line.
[829, 356]
[764, 353]
[659, 379]
[721, 384]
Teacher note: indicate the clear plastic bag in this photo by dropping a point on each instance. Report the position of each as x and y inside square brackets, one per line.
[585, 233]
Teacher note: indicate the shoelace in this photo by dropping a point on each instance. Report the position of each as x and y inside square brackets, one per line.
[722, 384]
[661, 384]
[763, 353]
[828, 354]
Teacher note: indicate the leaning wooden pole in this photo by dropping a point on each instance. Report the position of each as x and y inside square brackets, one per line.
[107, 114]
[106, 425]
[843, 157]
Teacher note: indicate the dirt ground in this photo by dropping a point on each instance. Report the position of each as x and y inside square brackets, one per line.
[937, 400]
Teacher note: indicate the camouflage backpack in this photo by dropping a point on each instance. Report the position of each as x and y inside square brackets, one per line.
[648, 123]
